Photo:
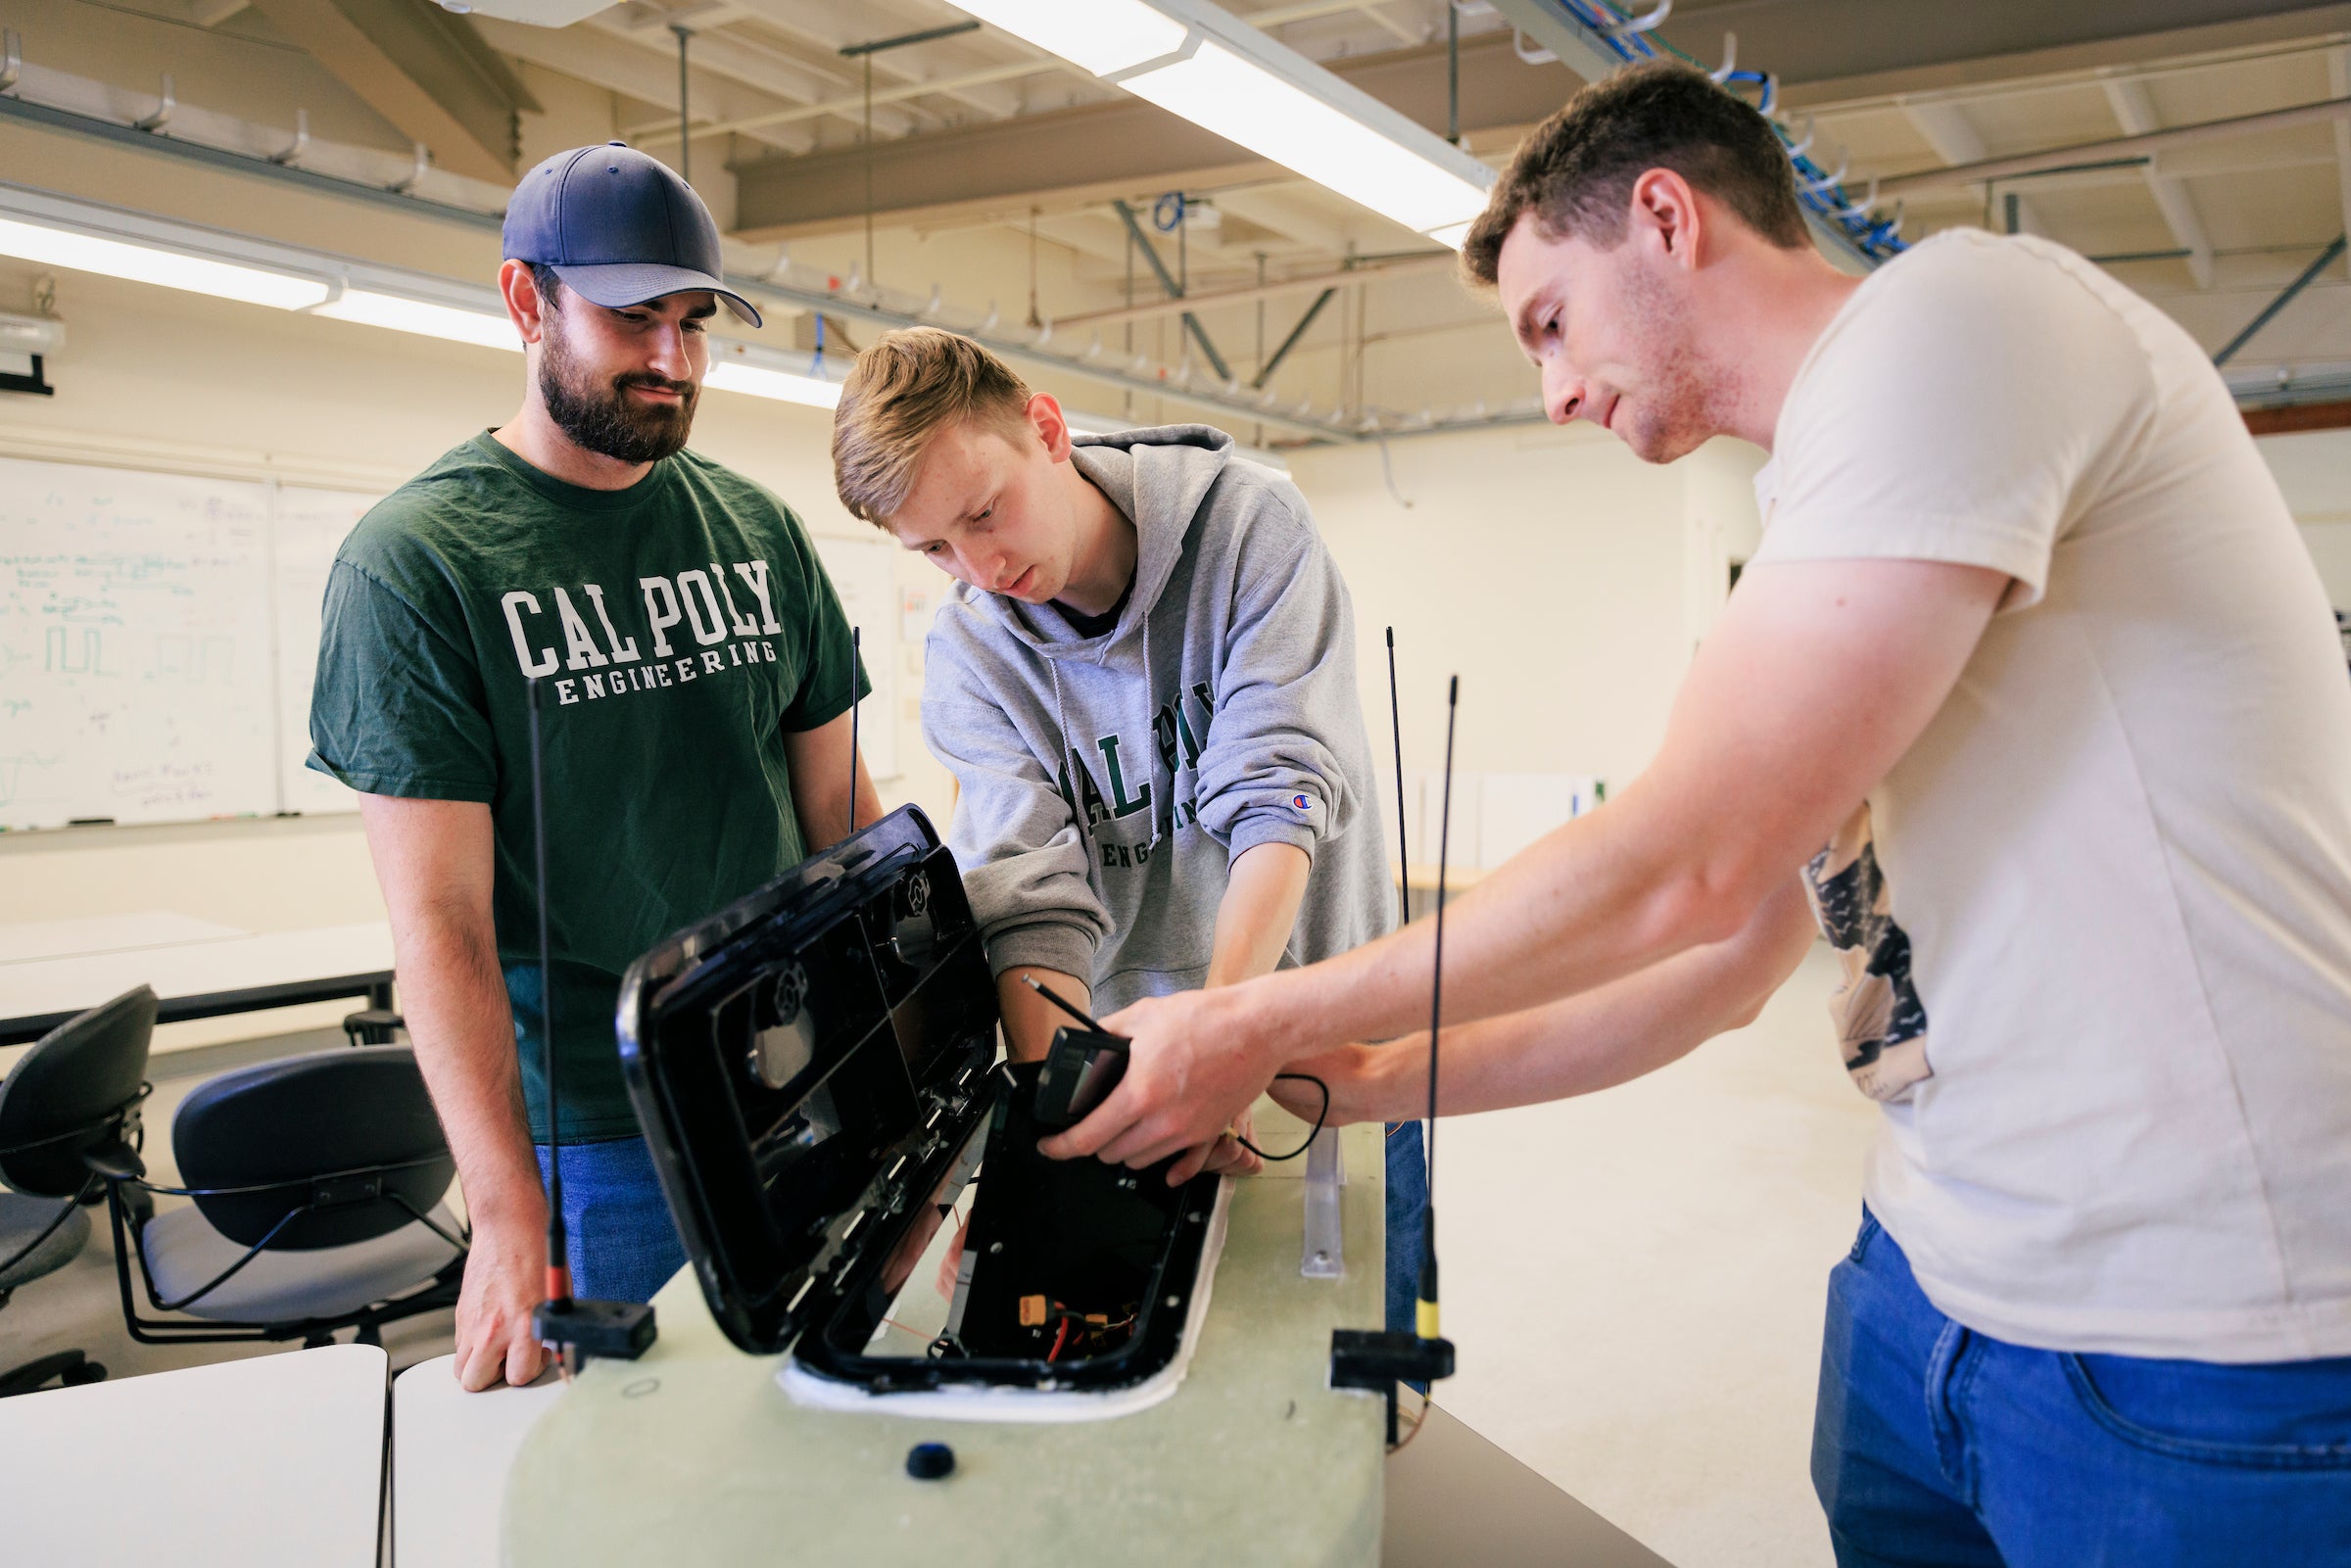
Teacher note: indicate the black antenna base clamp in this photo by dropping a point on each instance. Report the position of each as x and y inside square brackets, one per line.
[613, 1331]
[1377, 1361]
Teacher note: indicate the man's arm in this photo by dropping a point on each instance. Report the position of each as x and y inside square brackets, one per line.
[1575, 1046]
[1265, 885]
[818, 762]
[1816, 680]
[433, 859]
[1254, 919]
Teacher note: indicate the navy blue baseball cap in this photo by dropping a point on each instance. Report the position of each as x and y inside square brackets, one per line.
[619, 227]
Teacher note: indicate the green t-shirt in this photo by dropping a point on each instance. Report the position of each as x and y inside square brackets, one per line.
[683, 627]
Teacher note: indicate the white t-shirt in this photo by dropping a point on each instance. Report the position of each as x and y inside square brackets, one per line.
[2097, 920]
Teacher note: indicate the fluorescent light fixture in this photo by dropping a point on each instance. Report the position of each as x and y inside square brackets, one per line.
[1097, 35]
[450, 322]
[1243, 102]
[148, 263]
[782, 385]
[1201, 62]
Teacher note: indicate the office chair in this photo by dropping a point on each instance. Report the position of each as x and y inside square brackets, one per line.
[78, 1088]
[372, 1026]
[316, 1184]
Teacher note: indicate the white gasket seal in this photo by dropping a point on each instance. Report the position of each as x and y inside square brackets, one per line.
[970, 1402]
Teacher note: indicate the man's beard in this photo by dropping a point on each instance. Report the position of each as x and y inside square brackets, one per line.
[601, 417]
[1683, 400]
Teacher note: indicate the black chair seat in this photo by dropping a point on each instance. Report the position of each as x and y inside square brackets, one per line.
[183, 1251]
[21, 1218]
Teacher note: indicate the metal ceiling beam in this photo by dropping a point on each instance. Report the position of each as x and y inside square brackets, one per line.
[1098, 151]
[1947, 129]
[2286, 297]
[619, 66]
[791, 18]
[851, 107]
[421, 68]
[2080, 153]
[1171, 287]
[748, 65]
[1834, 50]
[1306, 320]
[2135, 110]
[1442, 262]
[2338, 83]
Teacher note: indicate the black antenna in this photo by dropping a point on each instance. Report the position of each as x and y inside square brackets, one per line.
[1404, 867]
[559, 1256]
[615, 1330]
[1062, 1002]
[856, 668]
[1426, 1311]
[1370, 1360]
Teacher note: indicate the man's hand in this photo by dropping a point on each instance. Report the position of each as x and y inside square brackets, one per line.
[1189, 1076]
[1225, 1157]
[505, 1278]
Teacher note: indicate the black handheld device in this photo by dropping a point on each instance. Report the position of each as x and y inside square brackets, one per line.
[1081, 1065]
[1081, 1068]
[615, 1330]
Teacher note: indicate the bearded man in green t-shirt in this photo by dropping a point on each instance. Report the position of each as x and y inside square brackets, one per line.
[699, 677]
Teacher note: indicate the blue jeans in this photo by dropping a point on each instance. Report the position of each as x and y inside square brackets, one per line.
[1407, 1196]
[622, 1242]
[1935, 1444]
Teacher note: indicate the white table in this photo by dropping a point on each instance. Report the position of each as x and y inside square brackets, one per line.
[451, 1452]
[276, 1459]
[693, 1456]
[28, 941]
[197, 976]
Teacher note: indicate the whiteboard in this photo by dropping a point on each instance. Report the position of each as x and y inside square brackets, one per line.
[865, 574]
[136, 653]
[159, 636]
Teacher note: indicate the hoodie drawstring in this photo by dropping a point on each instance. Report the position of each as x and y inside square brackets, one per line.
[1167, 794]
[1071, 758]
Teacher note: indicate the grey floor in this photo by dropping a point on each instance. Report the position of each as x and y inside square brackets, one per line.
[1454, 1497]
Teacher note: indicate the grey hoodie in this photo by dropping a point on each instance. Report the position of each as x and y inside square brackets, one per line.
[1108, 783]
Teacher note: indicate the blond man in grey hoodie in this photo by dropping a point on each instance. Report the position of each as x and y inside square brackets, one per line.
[1145, 687]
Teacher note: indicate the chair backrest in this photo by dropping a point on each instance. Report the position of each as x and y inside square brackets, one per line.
[283, 1125]
[69, 1092]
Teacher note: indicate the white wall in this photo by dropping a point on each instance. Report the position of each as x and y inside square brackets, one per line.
[1564, 580]
[2313, 471]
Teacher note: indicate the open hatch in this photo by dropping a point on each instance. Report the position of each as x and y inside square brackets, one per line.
[816, 1068]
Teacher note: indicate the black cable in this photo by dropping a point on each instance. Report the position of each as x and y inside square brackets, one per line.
[558, 1260]
[1320, 1117]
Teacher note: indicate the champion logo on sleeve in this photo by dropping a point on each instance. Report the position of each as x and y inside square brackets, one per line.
[1301, 803]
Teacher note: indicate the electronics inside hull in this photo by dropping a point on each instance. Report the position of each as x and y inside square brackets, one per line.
[815, 1069]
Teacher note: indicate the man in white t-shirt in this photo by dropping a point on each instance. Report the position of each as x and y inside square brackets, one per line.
[2033, 650]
